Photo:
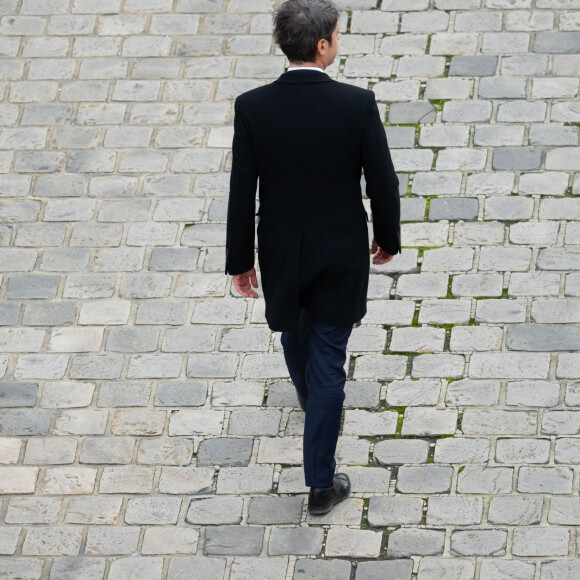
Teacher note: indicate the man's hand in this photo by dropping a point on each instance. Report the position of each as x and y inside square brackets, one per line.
[244, 282]
[381, 256]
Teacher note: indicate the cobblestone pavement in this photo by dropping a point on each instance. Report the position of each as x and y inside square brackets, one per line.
[148, 428]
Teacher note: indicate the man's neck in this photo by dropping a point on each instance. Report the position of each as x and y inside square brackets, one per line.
[307, 65]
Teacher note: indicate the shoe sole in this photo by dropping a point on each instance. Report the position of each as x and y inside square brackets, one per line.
[324, 510]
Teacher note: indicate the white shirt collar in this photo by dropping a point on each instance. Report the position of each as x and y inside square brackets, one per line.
[293, 68]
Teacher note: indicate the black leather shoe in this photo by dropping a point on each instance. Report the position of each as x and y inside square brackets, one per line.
[302, 401]
[322, 499]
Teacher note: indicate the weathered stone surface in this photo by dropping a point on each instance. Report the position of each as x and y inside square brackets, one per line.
[133, 368]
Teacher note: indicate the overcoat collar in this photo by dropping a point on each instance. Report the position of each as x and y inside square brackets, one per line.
[304, 76]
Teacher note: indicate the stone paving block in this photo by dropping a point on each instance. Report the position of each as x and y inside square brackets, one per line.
[196, 568]
[481, 479]
[25, 422]
[413, 392]
[507, 569]
[362, 394]
[33, 510]
[453, 209]
[423, 285]
[327, 569]
[10, 450]
[454, 511]
[234, 540]
[508, 365]
[258, 567]
[462, 450]
[415, 542]
[93, 510]
[124, 394]
[147, 567]
[424, 479]
[298, 541]
[559, 569]
[438, 568]
[254, 479]
[126, 479]
[170, 541]
[9, 540]
[424, 421]
[66, 394]
[186, 480]
[69, 568]
[233, 452]
[161, 451]
[287, 450]
[107, 450]
[395, 511]
[17, 394]
[534, 283]
[417, 339]
[56, 541]
[112, 540]
[400, 451]
[50, 451]
[540, 542]
[522, 451]
[382, 367]
[280, 510]
[516, 510]
[438, 365]
[367, 423]
[488, 421]
[563, 510]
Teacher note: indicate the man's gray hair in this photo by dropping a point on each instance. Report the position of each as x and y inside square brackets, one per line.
[300, 24]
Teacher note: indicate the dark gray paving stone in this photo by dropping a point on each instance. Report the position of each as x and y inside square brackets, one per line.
[275, 510]
[14, 394]
[557, 42]
[543, 337]
[228, 451]
[295, 541]
[50, 314]
[25, 422]
[473, 66]
[391, 569]
[234, 540]
[517, 158]
[453, 208]
[32, 286]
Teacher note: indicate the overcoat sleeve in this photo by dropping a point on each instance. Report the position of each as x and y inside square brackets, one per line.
[241, 218]
[382, 182]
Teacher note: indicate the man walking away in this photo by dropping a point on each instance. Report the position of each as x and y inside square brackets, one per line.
[308, 138]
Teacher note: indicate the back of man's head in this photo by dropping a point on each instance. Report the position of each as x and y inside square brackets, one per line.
[300, 24]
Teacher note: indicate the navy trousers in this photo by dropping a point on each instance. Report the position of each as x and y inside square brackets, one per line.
[315, 356]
